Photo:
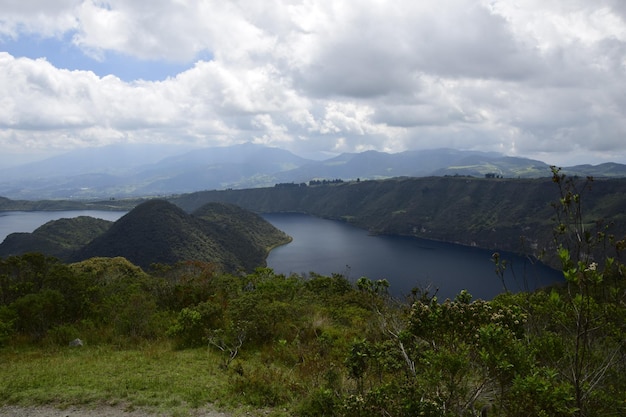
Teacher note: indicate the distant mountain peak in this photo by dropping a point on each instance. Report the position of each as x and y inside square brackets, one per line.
[149, 170]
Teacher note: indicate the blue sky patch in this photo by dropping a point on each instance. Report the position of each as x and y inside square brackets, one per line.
[62, 53]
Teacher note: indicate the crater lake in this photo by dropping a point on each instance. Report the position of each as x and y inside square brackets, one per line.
[327, 246]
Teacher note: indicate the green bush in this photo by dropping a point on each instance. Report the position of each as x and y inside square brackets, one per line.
[38, 312]
[193, 324]
[321, 402]
[8, 318]
[63, 334]
[264, 386]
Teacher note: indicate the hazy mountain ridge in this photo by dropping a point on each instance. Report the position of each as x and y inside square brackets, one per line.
[112, 159]
[134, 171]
[381, 165]
[157, 231]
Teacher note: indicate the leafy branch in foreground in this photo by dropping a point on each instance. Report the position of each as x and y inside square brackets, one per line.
[589, 312]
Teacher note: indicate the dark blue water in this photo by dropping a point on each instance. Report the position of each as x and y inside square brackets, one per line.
[327, 246]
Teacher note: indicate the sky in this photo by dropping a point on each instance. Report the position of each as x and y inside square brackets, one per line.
[543, 79]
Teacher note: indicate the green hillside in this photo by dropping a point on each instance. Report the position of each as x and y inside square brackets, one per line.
[251, 227]
[504, 214]
[157, 231]
[59, 238]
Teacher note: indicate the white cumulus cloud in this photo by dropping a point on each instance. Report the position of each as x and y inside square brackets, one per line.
[528, 78]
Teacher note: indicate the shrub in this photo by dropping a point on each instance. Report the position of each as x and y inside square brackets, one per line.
[321, 402]
[264, 386]
[61, 335]
[193, 324]
[7, 324]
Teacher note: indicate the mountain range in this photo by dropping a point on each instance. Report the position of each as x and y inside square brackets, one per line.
[120, 171]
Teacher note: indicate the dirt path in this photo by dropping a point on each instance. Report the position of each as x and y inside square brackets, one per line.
[99, 411]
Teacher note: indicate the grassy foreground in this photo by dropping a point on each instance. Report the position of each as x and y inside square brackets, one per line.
[152, 376]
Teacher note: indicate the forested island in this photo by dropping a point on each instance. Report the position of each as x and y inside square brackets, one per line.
[176, 334]
[158, 232]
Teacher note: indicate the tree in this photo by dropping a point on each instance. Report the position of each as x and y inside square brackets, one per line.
[38, 312]
[592, 319]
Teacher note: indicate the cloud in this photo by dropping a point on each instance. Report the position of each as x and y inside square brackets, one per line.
[529, 78]
[39, 17]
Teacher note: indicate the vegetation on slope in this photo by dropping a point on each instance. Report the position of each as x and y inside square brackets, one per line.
[497, 214]
[311, 346]
[59, 238]
[252, 228]
[182, 336]
[158, 232]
